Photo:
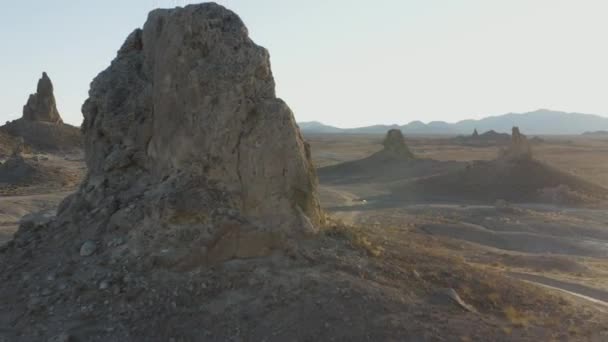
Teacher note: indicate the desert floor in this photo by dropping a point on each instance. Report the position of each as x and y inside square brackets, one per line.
[528, 268]
[559, 248]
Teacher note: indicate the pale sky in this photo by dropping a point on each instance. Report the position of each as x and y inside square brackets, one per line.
[346, 62]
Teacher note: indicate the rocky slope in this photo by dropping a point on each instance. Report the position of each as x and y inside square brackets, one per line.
[8, 144]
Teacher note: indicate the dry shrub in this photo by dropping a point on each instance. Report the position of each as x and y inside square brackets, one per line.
[356, 236]
[516, 317]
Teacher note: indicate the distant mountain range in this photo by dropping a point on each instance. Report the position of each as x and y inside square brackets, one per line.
[596, 134]
[542, 121]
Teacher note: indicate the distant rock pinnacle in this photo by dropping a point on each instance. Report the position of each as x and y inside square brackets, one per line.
[41, 106]
[395, 147]
[519, 148]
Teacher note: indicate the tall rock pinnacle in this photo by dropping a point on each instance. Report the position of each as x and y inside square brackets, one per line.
[519, 148]
[41, 106]
[394, 146]
[183, 134]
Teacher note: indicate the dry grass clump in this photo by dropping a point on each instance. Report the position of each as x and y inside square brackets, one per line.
[356, 237]
[516, 317]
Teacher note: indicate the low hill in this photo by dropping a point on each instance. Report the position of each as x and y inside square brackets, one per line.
[542, 121]
[525, 180]
[393, 163]
[596, 134]
[514, 176]
[317, 127]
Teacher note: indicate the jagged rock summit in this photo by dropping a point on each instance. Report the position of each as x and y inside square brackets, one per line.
[184, 136]
[41, 126]
[41, 106]
[395, 146]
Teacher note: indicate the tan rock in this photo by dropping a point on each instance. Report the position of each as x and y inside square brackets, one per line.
[185, 131]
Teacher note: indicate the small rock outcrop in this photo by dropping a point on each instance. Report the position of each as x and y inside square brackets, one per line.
[395, 146]
[41, 106]
[16, 168]
[519, 149]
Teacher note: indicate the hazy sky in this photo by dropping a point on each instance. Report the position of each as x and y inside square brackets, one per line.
[346, 62]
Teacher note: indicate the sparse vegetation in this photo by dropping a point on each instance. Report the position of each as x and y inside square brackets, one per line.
[356, 237]
[515, 317]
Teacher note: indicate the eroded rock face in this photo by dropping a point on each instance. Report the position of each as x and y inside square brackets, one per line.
[394, 145]
[41, 106]
[188, 148]
[519, 147]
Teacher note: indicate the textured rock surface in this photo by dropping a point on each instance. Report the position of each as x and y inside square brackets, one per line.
[184, 137]
[394, 146]
[41, 106]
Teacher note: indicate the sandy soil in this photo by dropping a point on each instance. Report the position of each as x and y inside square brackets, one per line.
[17, 200]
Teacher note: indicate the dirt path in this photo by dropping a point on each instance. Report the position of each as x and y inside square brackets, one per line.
[12, 208]
[591, 294]
[332, 197]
